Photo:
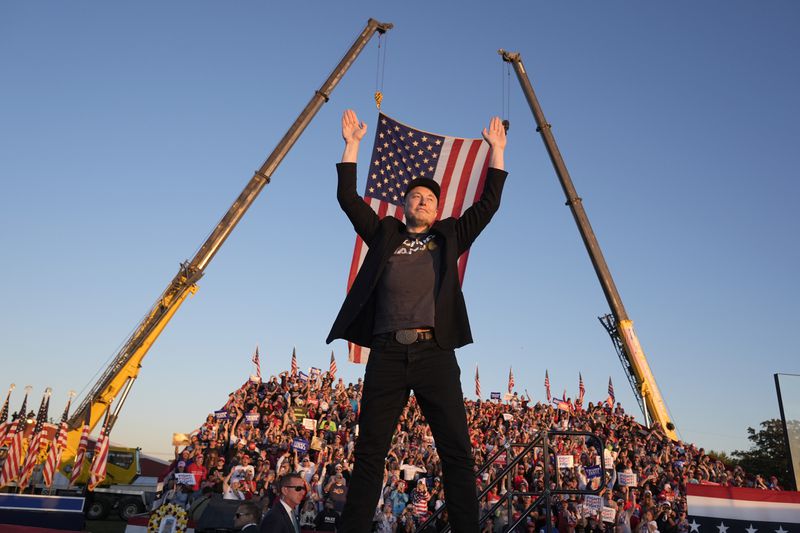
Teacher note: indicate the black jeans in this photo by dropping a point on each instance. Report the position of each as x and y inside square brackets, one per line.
[393, 370]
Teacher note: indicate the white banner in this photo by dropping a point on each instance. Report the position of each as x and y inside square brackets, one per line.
[184, 478]
[592, 502]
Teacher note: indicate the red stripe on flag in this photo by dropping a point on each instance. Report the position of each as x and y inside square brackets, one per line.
[463, 182]
[355, 264]
[448, 169]
[741, 493]
[355, 354]
[462, 267]
[482, 179]
[382, 209]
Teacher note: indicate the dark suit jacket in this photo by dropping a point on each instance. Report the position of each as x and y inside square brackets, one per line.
[251, 528]
[277, 520]
[356, 318]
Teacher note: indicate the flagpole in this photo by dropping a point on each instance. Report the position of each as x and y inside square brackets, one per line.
[10, 390]
[4, 416]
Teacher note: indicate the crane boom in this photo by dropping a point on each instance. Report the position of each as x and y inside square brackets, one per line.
[118, 377]
[639, 374]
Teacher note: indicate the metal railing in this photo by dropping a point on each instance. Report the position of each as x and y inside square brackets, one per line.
[543, 441]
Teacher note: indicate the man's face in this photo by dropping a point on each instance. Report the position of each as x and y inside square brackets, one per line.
[242, 518]
[291, 495]
[421, 207]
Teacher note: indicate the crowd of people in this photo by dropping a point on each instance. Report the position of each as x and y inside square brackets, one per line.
[293, 423]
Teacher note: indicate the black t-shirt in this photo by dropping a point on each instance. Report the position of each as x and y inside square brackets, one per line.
[407, 287]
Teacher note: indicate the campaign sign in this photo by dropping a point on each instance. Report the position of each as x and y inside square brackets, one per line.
[593, 503]
[310, 424]
[592, 472]
[626, 480]
[609, 514]
[184, 478]
[494, 396]
[565, 461]
[301, 445]
[221, 415]
[609, 459]
[508, 416]
[251, 417]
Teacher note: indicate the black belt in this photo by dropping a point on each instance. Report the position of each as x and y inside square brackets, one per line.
[410, 336]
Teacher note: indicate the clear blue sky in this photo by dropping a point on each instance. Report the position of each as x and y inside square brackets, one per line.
[127, 130]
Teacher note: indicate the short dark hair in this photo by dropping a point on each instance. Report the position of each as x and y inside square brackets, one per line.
[286, 479]
[428, 183]
[251, 509]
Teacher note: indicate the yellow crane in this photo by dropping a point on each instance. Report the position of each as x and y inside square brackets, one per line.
[118, 378]
[618, 325]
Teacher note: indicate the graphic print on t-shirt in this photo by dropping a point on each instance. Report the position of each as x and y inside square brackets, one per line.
[412, 245]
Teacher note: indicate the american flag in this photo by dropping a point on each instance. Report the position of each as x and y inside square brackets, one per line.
[97, 472]
[4, 425]
[257, 362]
[80, 456]
[56, 447]
[547, 385]
[581, 391]
[401, 154]
[563, 404]
[611, 398]
[32, 458]
[294, 362]
[477, 383]
[510, 380]
[16, 433]
[734, 509]
[332, 369]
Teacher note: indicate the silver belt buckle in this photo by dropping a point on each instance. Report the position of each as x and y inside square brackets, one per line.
[406, 336]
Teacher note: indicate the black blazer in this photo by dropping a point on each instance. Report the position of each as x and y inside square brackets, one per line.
[356, 318]
[277, 520]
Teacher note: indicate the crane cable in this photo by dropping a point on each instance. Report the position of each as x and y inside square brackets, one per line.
[505, 93]
[380, 70]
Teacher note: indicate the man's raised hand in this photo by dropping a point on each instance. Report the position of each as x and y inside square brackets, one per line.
[352, 133]
[352, 129]
[496, 137]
